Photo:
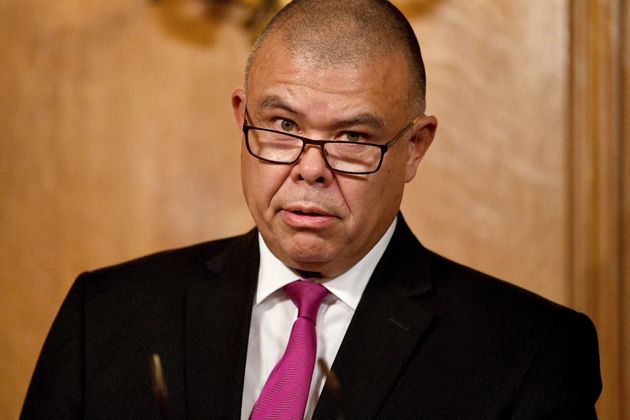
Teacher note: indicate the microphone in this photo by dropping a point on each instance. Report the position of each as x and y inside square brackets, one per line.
[334, 387]
[160, 391]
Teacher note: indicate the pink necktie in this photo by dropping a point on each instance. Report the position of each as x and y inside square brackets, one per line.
[286, 391]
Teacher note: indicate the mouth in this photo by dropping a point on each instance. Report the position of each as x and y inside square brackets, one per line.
[308, 213]
[301, 217]
[307, 209]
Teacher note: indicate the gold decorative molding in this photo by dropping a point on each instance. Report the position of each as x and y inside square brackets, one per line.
[196, 20]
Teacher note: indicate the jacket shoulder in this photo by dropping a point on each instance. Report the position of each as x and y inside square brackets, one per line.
[472, 287]
[173, 265]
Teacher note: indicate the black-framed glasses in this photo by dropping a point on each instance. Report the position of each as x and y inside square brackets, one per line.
[347, 157]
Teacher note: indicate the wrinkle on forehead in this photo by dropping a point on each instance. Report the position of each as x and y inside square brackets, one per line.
[339, 95]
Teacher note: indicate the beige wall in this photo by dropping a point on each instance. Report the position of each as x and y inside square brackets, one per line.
[118, 140]
[491, 189]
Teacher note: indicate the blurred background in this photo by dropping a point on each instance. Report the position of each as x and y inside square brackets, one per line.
[117, 140]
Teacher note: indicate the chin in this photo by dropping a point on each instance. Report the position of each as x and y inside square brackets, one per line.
[303, 258]
[307, 256]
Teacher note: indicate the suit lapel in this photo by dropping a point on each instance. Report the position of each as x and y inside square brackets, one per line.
[218, 312]
[385, 330]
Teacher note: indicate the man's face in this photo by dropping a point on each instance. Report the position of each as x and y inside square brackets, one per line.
[312, 218]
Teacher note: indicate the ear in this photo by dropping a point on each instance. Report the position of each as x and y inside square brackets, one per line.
[238, 106]
[424, 132]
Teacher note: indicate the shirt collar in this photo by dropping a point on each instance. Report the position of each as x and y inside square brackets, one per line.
[348, 287]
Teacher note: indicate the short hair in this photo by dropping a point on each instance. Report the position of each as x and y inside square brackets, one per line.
[335, 32]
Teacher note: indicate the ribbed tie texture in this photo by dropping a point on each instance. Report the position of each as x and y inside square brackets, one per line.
[285, 393]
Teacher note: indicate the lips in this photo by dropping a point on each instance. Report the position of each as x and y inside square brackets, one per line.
[307, 217]
[306, 213]
[307, 209]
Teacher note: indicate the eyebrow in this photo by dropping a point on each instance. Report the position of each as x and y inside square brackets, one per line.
[361, 119]
[273, 101]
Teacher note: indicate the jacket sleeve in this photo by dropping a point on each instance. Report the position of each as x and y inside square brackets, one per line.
[563, 380]
[56, 388]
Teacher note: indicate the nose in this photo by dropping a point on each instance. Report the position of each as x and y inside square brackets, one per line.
[312, 167]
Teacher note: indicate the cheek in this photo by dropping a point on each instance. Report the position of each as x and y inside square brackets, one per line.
[381, 196]
[364, 197]
[260, 182]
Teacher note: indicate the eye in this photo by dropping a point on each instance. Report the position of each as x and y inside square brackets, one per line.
[353, 136]
[287, 125]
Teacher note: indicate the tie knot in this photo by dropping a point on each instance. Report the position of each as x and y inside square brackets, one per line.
[307, 297]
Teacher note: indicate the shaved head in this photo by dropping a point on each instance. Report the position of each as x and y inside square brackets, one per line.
[349, 32]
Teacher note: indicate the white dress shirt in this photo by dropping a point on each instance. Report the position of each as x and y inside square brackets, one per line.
[274, 313]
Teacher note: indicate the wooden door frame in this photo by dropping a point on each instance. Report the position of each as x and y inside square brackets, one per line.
[599, 188]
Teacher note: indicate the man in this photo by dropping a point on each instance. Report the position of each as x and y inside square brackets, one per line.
[406, 333]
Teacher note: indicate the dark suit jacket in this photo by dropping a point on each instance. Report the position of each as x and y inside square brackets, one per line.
[430, 339]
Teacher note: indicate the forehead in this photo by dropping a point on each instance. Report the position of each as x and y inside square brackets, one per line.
[375, 86]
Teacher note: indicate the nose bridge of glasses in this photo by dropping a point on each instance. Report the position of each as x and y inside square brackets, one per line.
[312, 164]
[314, 144]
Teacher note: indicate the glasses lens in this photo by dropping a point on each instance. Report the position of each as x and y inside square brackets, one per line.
[272, 146]
[353, 157]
